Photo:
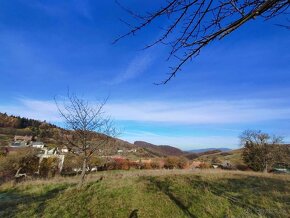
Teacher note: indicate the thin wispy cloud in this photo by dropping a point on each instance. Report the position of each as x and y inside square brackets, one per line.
[203, 112]
[134, 69]
[35, 109]
[199, 112]
[206, 113]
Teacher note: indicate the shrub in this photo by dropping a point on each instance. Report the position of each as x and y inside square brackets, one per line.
[216, 160]
[204, 165]
[22, 160]
[118, 164]
[242, 167]
[156, 164]
[48, 167]
[182, 163]
[71, 162]
[95, 161]
[146, 166]
[175, 162]
[170, 162]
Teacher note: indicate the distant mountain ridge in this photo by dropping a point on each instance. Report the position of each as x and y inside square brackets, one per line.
[167, 150]
[208, 149]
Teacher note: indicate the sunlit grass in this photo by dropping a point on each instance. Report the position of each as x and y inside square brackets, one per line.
[154, 193]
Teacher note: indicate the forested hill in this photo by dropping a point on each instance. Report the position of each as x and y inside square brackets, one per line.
[53, 136]
[20, 122]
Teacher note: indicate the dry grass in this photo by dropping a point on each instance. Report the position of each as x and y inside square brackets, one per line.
[155, 193]
[119, 174]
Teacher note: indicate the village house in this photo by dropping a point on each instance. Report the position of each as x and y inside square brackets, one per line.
[52, 153]
[37, 144]
[18, 144]
[21, 141]
[23, 138]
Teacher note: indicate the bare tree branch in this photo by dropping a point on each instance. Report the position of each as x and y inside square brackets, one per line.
[90, 127]
[197, 23]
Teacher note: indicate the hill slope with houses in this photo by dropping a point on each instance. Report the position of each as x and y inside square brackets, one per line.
[25, 131]
[20, 131]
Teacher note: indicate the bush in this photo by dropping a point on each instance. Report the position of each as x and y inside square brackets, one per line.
[118, 164]
[175, 162]
[48, 167]
[71, 162]
[216, 160]
[182, 163]
[22, 160]
[170, 163]
[204, 165]
[146, 166]
[156, 164]
[242, 167]
[95, 161]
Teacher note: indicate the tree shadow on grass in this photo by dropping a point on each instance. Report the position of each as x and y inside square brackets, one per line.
[248, 192]
[256, 195]
[9, 201]
[163, 186]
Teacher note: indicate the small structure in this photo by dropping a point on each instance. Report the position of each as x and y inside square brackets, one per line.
[18, 144]
[21, 141]
[37, 144]
[23, 138]
[280, 168]
[52, 153]
[64, 149]
[215, 166]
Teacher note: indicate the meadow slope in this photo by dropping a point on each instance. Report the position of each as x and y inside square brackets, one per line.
[154, 193]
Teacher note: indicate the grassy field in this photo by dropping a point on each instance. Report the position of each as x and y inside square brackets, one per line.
[159, 193]
[234, 157]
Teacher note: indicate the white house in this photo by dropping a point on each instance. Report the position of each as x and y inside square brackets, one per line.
[64, 149]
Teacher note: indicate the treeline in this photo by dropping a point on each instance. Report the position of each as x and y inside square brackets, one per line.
[19, 122]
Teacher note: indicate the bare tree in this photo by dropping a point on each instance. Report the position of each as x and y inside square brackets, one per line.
[261, 150]
[196, 23]
[90, 128]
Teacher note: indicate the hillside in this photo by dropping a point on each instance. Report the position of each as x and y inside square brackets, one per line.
[192, 156]
[159, 193]
[233, 156]
[160, 150]
[53, 136]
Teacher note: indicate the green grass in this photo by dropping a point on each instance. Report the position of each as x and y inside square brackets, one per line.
[153, 193]
[5, 140]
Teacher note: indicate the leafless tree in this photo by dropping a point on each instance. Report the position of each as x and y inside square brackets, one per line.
[90, 128]
[196, 23]
[261, 150]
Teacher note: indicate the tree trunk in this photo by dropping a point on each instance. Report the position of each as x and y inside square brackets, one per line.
[83, 174]
[266, 168]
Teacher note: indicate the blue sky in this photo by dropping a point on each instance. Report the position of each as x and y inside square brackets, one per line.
[241, 82]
